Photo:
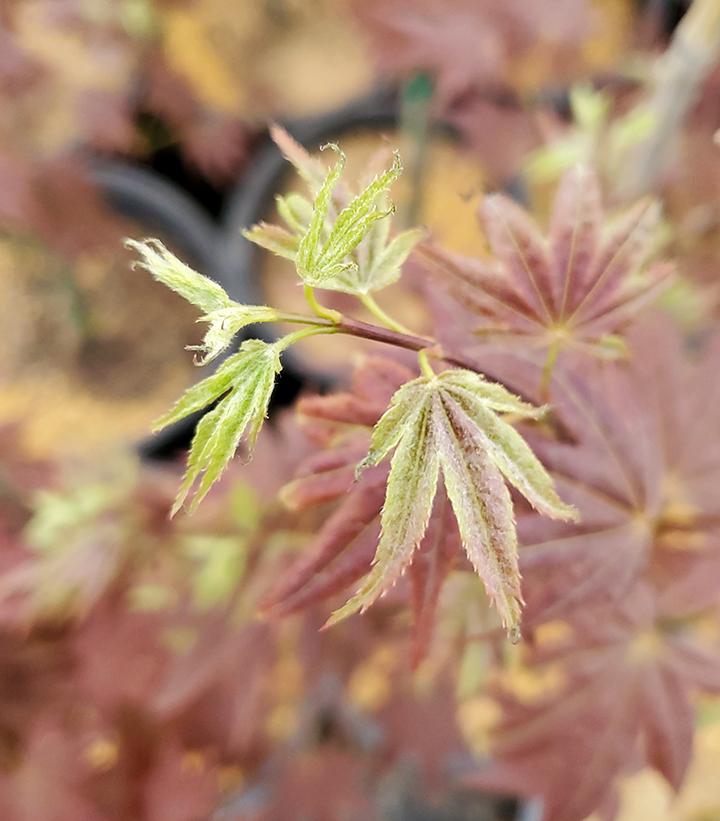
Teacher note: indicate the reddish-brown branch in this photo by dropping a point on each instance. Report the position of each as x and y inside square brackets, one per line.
[376, 333]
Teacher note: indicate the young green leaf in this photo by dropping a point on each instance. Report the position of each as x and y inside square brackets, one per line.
[296, 211]
[337, 243]
[511, 453]
[378, 262]
[273, 238]
[385, 266]
[165, 267]
[323, 258]
[247, 378]
[225, 323]
[225, 316]
[202, 394]
[311, 261]
[495, 396]
[405, 403]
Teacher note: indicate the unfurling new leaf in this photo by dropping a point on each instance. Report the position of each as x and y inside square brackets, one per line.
[247, 378]
[225, 316]
[448, 424]
[337, 242]
[165, 267]
[243, 383]
[323, 257]
[380, 259]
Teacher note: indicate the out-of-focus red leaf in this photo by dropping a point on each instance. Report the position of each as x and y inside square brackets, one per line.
[566, 294]
[471, 44]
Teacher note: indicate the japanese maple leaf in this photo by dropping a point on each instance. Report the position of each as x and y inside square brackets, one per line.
[628, 676]
[570, 291]
[643, 471]
[439, 426]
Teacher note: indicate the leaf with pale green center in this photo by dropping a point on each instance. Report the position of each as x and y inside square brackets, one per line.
[448, 423]
[482, 506]
[411, 489]
[310, 260]
[201, 395]
[296, 211]
[248, 376]
[224, 316]
[354, 221]
[405, 403]
[225, 323]
[378, 262]
[165, 267]
[386, 266]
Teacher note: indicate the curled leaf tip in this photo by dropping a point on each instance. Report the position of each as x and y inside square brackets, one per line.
[334, 147]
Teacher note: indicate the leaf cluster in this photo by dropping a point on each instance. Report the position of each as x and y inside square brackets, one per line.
[337, 242]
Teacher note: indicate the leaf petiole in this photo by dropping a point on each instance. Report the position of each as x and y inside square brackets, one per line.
[318, 309]
[286, 341]
[425, 366]
[369, 302]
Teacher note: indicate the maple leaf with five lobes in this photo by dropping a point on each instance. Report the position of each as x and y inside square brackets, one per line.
[573, 290]
[448, 424]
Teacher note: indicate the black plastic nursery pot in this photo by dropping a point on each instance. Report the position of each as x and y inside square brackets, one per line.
[462, 805]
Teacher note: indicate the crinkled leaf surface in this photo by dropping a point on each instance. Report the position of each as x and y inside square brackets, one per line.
[323, 260]
[225, 316]
[165, 267]
[411, 488]
[342, 551]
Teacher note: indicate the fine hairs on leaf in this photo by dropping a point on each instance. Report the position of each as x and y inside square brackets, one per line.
[248, 377]
[244, 381]
[224, 316]
[338, 242]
